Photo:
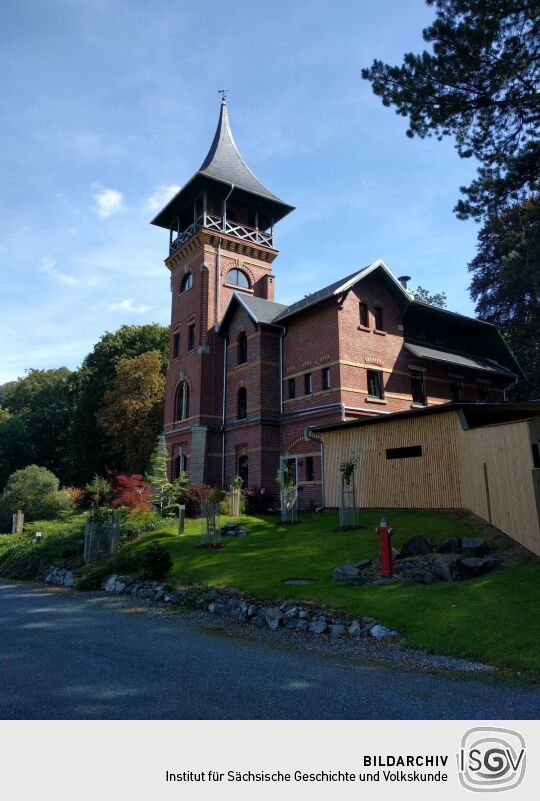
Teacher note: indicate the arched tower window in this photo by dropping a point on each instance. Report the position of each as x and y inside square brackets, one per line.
[242, 403]
[241, 349]
[186, 282]
[238, 278]
[182, 402]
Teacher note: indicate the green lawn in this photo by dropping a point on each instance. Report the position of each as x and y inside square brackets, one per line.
[495, 618]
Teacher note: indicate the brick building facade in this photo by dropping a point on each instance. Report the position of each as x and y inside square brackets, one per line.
[248, 378]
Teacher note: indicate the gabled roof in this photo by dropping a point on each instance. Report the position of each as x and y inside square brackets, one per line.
[343, 285]
[260, 310]
[223, 164]
[269, 313]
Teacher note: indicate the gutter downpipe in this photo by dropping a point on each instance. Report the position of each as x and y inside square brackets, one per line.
[283, 333]
[218, 287]
[225, 341]
[218, 258]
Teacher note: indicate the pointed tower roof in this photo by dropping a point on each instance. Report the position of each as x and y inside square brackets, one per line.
[224, 164]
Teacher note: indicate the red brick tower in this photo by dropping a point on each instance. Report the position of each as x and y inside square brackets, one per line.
[221, 240]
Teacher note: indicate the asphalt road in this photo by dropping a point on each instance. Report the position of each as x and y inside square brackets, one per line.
[64, 656]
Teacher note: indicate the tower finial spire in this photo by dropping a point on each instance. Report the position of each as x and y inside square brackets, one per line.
[223, 93]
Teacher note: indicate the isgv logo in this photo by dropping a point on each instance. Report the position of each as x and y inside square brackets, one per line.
[491, 759]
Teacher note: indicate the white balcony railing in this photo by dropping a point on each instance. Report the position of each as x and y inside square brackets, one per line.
[213, 223]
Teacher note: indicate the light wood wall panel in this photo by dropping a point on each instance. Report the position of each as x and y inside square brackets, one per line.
[430, 480]
[502, 491]
[450, 474]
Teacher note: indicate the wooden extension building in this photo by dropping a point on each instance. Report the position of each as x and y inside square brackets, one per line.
[484, 457]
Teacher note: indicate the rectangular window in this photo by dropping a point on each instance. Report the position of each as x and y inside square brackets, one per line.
[536, 455]
[308, 389]
[292, 388]
[483, 392]
[326, 378]
[375, 384]
[404, 453]
[364, 315]
[456, 390]
[418, 388]
[176, 345]
[309, 468]
[378, 318]
[191, 337]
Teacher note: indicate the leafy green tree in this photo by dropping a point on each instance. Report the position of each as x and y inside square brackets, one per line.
[91, 448]
[36, 491]
[435, 299]
[132, 412]
[41, 407]
[16, 447]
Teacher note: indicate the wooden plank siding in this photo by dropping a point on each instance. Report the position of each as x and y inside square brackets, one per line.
[450, 474]
[431, 480]
[507, 479]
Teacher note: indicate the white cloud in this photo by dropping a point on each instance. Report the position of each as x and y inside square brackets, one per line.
[127, 305]
[161, 196]
[108, 201]
[48, 266]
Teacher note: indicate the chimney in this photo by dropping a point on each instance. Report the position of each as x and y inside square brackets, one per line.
[403, 280]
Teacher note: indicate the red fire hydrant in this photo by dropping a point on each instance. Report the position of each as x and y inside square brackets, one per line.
[385, 534]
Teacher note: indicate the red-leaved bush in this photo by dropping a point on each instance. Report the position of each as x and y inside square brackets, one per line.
[131, 491]
[192, 495]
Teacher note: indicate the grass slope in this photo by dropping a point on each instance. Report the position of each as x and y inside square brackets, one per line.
[495, 618]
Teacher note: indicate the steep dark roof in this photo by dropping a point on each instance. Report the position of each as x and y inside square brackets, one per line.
[458, 359]
[224, 165]
[224, 162]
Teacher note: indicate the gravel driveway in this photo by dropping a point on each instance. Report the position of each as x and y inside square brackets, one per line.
[72, 655]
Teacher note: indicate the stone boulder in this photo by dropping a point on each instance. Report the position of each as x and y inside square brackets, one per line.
[477, 566]
[351, 573]
[416, 546]
[449, 545]
[318, 625]
[474, 546]
[337, 630]
[113, 584]
[273, 617]
[355, 629]
[379, 632]
[296, 624]
[58, 576]
[448, 568]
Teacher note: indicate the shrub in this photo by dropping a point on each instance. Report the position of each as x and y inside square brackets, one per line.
[138, 522]
[97, 493]
[36, 491]
[156, 562]
[21, 557]
[126, 563]
[192, 496]
[132, 491]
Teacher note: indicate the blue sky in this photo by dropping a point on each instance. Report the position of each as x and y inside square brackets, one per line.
[109, 104]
